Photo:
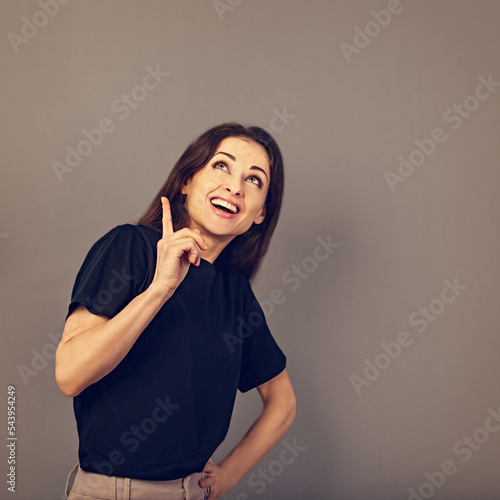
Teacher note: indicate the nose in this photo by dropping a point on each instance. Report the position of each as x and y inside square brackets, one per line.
[234, 188]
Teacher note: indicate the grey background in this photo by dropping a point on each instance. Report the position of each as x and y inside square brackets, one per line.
[351, 122]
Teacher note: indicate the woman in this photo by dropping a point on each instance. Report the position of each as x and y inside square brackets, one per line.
[163, 328]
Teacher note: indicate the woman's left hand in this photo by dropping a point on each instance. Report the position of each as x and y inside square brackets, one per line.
[217, 480]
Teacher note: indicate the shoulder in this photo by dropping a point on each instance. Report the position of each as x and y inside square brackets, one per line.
[131, 232]
[146, 233]
[126, 239]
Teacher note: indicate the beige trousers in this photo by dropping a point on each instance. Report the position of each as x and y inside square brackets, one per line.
[82, 485]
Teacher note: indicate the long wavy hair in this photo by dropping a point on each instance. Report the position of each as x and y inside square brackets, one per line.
[245, 252]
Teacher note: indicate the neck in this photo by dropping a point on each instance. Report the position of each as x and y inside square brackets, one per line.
[216, 245]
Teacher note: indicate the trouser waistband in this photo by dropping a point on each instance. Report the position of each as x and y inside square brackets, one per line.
[123, 488]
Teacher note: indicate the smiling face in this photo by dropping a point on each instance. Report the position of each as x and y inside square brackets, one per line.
[228, 194]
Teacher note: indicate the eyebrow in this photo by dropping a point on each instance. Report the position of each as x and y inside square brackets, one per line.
[253, 167]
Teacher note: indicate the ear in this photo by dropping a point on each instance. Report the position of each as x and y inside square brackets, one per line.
[260, 216]
[185, 188]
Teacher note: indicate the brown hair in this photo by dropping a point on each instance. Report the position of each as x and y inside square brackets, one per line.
[245, 251]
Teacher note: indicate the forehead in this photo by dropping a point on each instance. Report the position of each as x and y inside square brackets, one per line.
[246, 151]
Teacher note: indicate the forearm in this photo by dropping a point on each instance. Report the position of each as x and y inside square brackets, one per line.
[85, 357]
[275, 419]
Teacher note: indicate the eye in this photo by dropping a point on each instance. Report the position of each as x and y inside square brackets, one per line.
[222, 165]
[255, 180]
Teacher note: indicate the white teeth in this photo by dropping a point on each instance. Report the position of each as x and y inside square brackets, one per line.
[223, 203]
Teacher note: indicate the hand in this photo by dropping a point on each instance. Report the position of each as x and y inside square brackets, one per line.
[217, 480]
[175, 252]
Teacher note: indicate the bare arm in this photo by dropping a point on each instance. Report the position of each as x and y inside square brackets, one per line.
[276, 417]
[92, 345]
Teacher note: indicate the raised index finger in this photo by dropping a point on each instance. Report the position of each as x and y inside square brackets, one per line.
[168, 228]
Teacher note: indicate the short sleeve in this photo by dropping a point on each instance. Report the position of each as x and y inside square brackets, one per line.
[261, 358]
[112, 273]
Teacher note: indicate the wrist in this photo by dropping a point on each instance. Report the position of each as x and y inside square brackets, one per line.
[158, 293]
[231, 476]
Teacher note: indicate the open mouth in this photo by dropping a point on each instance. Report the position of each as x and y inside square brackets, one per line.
[225, 206]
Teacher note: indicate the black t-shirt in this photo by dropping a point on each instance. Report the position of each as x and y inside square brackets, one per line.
[163, 411]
